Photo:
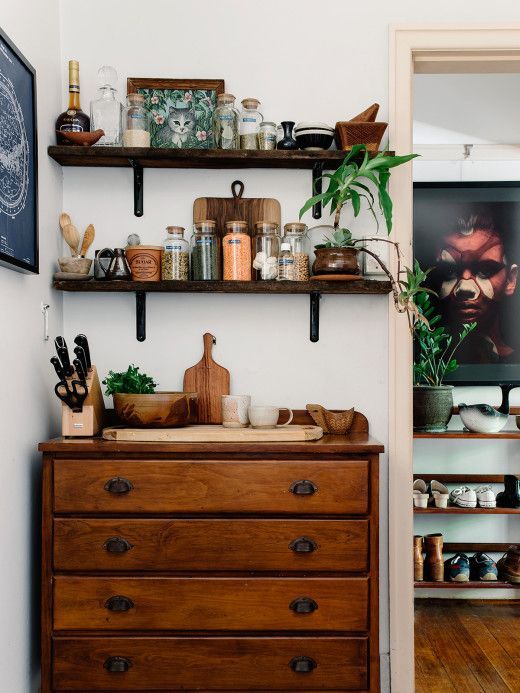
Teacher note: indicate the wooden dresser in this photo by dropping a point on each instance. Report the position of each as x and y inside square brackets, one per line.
[205, 567]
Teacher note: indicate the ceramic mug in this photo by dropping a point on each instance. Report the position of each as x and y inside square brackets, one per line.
[267, 417]
[235, 411]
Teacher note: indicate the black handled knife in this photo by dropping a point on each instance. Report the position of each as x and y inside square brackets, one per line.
[80, 354]
[82, 341]
[79, 370]
[63, 354]
[58, 368]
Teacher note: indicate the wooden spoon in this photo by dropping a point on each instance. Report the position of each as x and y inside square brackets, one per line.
[71, 236]
[88, 239]
[64, 220]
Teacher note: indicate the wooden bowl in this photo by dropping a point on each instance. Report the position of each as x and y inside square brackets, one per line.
[160, 410]
[75, 265]
[86, 139]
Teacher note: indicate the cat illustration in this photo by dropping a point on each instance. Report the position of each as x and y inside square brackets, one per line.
[179, 125]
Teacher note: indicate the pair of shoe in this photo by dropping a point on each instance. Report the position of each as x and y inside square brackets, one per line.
[434, 492]
[431, 566]
[465, 497]
[509, 565]
[510, 496]
[460, 568]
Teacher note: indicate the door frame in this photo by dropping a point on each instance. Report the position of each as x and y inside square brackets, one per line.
[442, 49]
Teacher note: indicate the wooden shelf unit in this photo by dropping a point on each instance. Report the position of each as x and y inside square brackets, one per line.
[462, 478]
[466, 511]
[459, 434]
[498, 585]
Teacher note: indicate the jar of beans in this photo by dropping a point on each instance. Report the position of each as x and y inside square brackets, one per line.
[236, 251]
[295, 234]
[205, 252]
[266, 248]
[175, 255]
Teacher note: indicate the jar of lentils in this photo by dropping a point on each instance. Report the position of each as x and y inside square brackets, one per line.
[295, 233]
[205, 251]
[175, 255]
[236, 250]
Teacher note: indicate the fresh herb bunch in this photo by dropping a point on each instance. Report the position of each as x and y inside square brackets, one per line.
[434, 347]
[129, 382]
[341, 238]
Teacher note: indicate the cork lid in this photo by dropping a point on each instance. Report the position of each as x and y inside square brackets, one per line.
[250, 103]
[225, 97]
[175, 229]
[135, 98]
[236, 224]
[266, 226]
[295, 226]
[205, 225]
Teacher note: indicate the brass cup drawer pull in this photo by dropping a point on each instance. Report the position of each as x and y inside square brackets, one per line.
[303, 488]
[117, 545]
[302, 665]
[303, 545]
[119, 603]
[117, 664]
[118, 485]
[303, 605]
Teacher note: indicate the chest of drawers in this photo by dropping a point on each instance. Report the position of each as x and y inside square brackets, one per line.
[196, 567]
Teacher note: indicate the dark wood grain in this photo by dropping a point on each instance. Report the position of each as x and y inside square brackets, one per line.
[46, 576]
[133, 84]
[210, 381]
[506, 434]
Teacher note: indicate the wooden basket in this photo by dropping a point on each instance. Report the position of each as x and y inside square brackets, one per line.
[367, 116]
[349, 133]
[338, 422]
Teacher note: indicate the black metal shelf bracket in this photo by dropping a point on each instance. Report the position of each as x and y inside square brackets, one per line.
[140, 315]
[315, 316]
[317, 187]
[138, 187]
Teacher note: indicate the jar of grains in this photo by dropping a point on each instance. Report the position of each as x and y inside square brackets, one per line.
[266, 248]
[136, 124]
[225, 122]
[295, 234]
[267, 136]
[236, 250]
[249, 124]
[205, 251]
[175, 255]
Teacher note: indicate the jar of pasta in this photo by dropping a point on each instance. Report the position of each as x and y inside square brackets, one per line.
[236, 251]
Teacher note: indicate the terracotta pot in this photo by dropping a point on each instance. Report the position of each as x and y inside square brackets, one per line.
[145, 262]
[336, 261]
[160, 410]
[432, 407]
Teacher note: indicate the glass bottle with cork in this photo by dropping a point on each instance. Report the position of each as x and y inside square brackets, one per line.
[73, 119]
[136, 122]
[225, 122]
[236, 252]
[295, 234]
[249, 124]
[205, 251]
[266, 248]
[175, 255]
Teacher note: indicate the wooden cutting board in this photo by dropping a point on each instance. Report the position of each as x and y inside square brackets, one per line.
[250, 209]
[210, 381]
[214, 434]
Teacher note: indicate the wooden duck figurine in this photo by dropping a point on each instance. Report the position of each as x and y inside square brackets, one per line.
[483, 418]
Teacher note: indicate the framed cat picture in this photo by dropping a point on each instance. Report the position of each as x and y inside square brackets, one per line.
[181, 110]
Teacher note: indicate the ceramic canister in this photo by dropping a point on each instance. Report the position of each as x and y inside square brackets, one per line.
[145, 262]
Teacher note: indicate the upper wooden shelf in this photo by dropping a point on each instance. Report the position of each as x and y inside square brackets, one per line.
[512, 434]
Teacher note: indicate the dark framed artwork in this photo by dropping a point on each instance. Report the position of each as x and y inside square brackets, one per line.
[18, 160]
[181, 110]
[469, 234]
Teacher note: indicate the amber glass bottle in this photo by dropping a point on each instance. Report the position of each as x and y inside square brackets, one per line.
[73, 119]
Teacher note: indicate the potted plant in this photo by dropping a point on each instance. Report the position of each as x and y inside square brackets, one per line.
[434, 359]
[337, 255]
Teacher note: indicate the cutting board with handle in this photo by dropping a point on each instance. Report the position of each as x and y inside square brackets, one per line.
[250, 209]
[210, 381]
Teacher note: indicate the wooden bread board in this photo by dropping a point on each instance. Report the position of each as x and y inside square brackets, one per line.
[214, 434]
[210, 381]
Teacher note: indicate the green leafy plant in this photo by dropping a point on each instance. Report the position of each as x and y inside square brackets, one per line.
[129, 382]
[434, 346]
[341, 238]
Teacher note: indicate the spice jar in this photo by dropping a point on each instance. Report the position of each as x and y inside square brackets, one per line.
[249, 124]
[175, 255]
[295, 233]
[135, 122]
[267, 136]
[236, 250]
[225, 122]
[266, 248]
[205, 252]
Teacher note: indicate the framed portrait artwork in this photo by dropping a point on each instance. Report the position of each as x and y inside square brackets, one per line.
[181, 110]
[469, 234]
[18, 161]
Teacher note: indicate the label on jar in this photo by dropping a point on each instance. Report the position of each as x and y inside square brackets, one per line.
[285, 262]
[173, 247]
[204, 241]
[225, 117]
[248, 125]
[137, 116]
[234, 241]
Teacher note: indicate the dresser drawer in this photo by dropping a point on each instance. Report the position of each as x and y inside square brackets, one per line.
[199, 487]
[90, 544]
[211, 604]
[210, 664]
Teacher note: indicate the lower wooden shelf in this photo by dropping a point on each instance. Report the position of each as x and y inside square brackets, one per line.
[498, 585]
[466, 511]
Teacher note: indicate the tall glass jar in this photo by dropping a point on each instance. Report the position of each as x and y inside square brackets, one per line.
[295, 233]
[175, 255]
[266, 248]
[249, 124]
[105, 111]
[225, 122]
[205, 252]
[267, 136]
[236, 251]
[136, 123]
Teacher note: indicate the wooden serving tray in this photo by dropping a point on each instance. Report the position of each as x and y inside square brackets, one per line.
[214, 434]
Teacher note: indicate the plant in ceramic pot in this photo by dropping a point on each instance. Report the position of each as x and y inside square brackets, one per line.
[434, 359]
[337, 255]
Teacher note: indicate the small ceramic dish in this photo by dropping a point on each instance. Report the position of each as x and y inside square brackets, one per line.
[314, 136]
[75, 265]
[86, 139]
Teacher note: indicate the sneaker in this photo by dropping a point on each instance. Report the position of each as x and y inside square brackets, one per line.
[509, 565]
[463, 497]
[486, 497]
[482, 567]
[439, 493]
[456, 569]
[420, 494]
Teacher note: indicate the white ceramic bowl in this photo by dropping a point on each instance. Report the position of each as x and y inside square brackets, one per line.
[314, 136]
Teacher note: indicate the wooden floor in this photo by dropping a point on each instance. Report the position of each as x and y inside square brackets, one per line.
[463, 645]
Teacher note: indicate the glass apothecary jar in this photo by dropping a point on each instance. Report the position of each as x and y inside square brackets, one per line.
[105, 111]
[267, 136]
[295, 233]
[266, 248]
[205, 251]
[175, 259]
[225, 122]
[136, 122]
[236, 252]
[249, 124]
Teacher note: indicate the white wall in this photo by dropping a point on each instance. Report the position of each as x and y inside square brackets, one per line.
[27, 410]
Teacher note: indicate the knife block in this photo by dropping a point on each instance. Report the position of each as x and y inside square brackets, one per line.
[89, 421]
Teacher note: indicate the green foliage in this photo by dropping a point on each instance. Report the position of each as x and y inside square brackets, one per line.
[341, 238]
[413, 287]
[129, 382]
[349, 183]
[434, 347]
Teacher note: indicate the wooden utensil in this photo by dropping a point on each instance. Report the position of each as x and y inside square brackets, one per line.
[64, 220]
[223, 209]
[88, 239]
[210, 381]
[215, 434]
[71, 236]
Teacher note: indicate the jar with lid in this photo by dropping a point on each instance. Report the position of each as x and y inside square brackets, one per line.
[249, 124]
[136, 122]
[175, 255]
[266, 248]
[285, 263]
[267, 136]
[205, 251]
[295, 233]
[236, 251]
[105, 111]
[225, 122]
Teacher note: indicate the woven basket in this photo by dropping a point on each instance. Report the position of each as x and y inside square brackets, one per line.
[368, 115]
[349, 133]
[331, 421]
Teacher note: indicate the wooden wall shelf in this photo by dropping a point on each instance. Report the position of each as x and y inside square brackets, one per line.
[466, 511]
[497, 585]
[505, 435]
[462, 478]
